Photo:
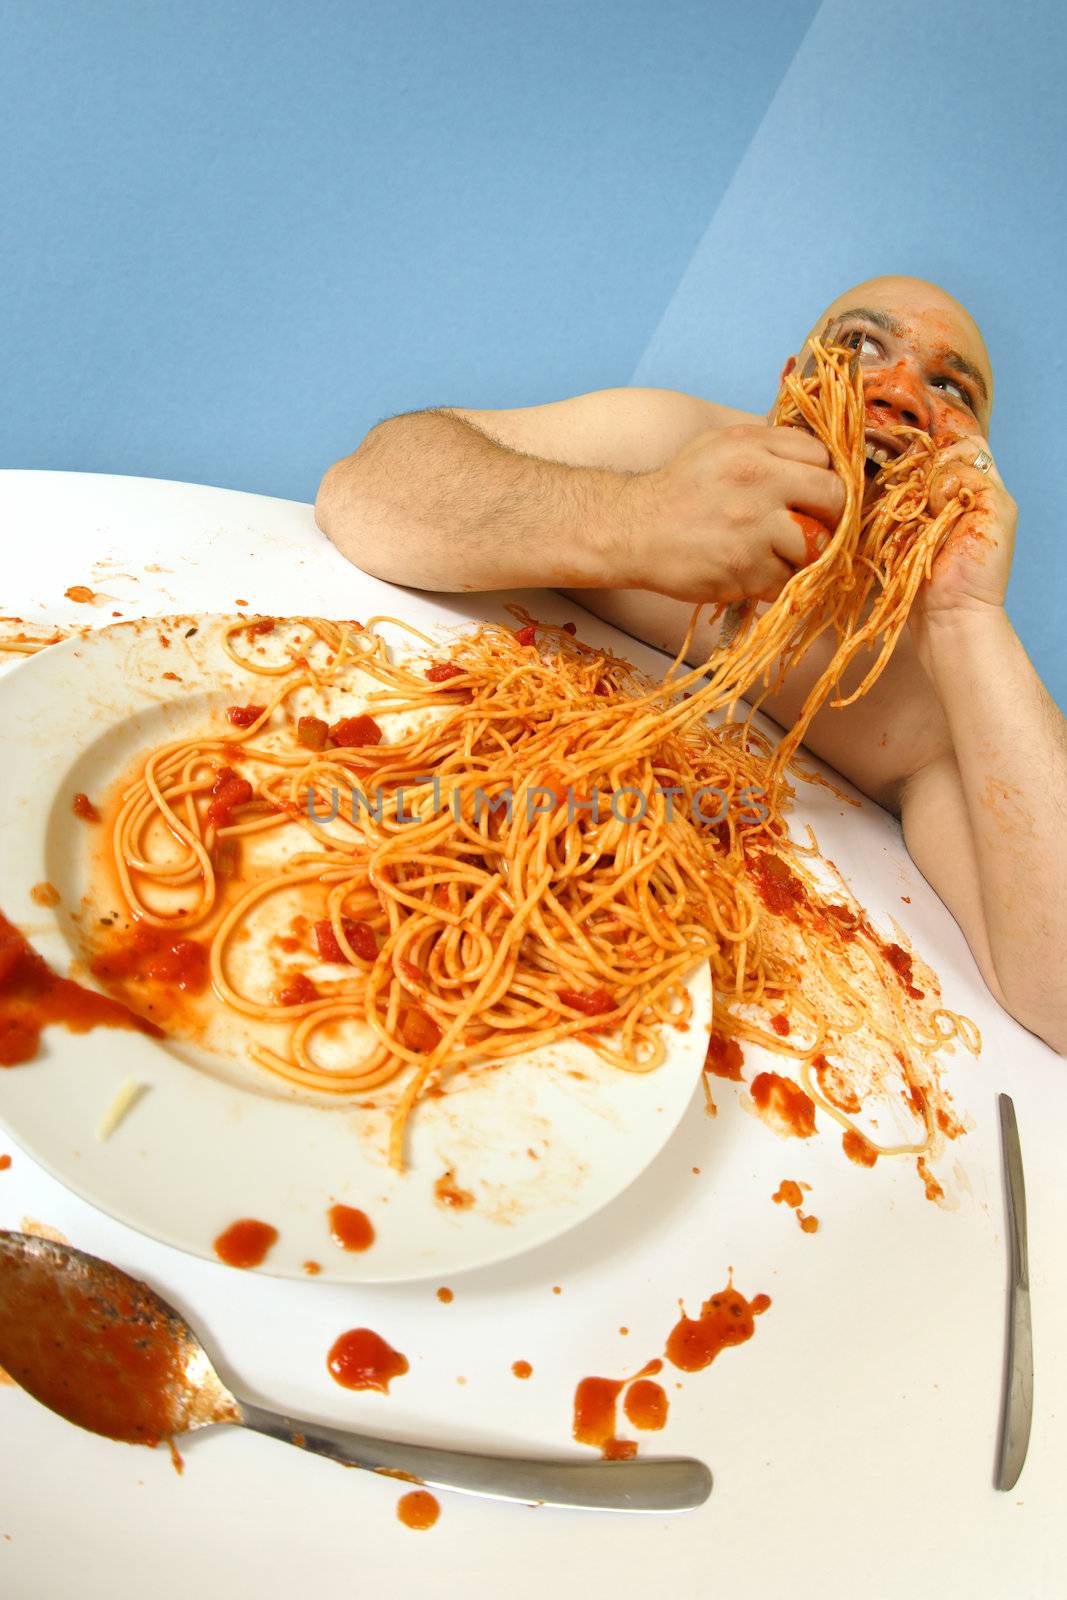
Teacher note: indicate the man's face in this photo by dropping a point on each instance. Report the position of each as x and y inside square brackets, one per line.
[923, 359]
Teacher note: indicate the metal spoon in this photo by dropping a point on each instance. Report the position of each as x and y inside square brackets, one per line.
[106, 1352]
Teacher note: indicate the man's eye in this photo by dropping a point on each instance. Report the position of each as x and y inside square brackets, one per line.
[863, 343]
[950, 387]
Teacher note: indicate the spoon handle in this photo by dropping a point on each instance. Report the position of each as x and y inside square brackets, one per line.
[669, 1484]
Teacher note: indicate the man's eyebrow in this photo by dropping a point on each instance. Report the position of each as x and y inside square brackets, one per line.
[951, 358]
[881, 319]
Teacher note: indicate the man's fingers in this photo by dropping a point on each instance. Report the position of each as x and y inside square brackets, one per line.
[815, 490]
[956, 471]
[770, 578]
[798, 538]
[795, 444]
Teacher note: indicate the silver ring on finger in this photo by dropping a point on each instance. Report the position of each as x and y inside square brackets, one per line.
[983, 461]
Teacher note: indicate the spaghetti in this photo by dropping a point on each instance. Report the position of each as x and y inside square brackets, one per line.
[531, 853]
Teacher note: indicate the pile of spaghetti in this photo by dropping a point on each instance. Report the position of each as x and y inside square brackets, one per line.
[552, 843]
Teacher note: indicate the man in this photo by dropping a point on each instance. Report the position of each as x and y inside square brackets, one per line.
[641, 502]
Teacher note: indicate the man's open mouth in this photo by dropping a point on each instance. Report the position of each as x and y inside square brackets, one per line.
[879, 447]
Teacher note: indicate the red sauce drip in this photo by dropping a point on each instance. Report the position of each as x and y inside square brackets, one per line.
[725, 1057]
[934, 1191]
[445, 1296]
[418, 1509]
[5, 1162]
[245, 1243]
[789, 1192]
[155, 954]
[571, 628]
[80, 593]
[646, 1404]
[84, 808]
[522, 1369]
[807, 1224]
[726, 1319]
[447, 1193]
[312, 1268]
[783, 1104]
[858, 1149]
[361, 1359]
[32, 996]
[901, 963]
[816, 534]
[441, 671]
[44, 894]
[350, 1228]
[595, 1401]
[780, 890]
[526, 636]
[780, 1024]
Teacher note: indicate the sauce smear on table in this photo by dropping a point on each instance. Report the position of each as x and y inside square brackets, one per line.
[419, 1509]
[361, 1359]
[245, 1243]
[727, 1318]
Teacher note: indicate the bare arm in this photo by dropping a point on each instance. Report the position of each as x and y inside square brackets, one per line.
[459, 499]
[625, 488]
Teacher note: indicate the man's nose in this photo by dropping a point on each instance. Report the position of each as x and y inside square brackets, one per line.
[896, 395]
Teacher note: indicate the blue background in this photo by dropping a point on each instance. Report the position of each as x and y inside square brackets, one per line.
[237, 236]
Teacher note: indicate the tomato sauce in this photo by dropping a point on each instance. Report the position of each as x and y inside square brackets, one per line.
[103, 1355]
[245, 1243]
[447, 1193]
[361, 1359]
[151, 954]
[725, 1057]
[784, 1105]
[32, 996]
[726, 1319]
[595, 1402]
[350, 1228]
[858, 1149]
[646, 1404]
[418, 1509]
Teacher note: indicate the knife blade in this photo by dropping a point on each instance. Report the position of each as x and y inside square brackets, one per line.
[1017, 1403]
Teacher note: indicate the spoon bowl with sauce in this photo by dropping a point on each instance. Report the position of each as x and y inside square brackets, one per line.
[106, 1352]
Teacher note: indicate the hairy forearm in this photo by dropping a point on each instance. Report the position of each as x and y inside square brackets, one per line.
[431, 501]
[1010, 746]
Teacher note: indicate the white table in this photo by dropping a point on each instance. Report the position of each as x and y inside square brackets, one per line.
[852, 1440]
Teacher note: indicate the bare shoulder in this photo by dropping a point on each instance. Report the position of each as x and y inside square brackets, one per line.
[623, 430]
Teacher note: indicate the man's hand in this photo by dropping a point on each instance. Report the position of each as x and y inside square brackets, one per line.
[716, 522]
[971, 572]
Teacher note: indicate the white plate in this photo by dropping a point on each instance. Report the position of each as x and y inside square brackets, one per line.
[540, 1148]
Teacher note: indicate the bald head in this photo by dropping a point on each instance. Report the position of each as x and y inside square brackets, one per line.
[908, 321]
